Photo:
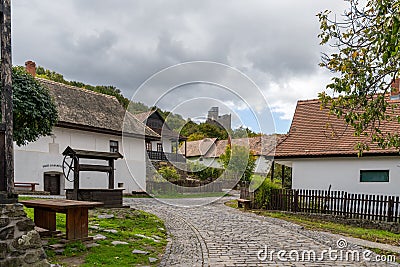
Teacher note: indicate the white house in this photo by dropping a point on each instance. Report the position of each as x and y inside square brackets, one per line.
[87, 121]
[207, 151]
[321, 151]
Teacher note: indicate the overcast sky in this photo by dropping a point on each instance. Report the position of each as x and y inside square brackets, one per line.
[125, 42]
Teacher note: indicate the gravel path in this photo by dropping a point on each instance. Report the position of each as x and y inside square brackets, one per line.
[216, 235]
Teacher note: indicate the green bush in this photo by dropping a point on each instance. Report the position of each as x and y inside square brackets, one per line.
[169, 173]
[262, 195]
[203, 172]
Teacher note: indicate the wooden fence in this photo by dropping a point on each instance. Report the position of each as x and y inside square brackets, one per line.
[354, 206]
[187, 187]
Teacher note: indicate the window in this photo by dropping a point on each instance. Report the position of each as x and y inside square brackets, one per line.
[374, 176]
[148, 146]
[159, 147]
[113, 146]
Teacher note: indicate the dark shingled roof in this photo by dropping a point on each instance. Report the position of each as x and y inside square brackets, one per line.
[315, 133]
[165, 131]
[82, 108]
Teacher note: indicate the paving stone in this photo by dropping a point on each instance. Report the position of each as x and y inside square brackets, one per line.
[216, 235]
[113, 231]
[152, 260]
[119, 243]
[105, 216]
[99, 237]
[138, 251]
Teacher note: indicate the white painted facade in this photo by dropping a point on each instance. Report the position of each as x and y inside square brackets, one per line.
[44, 156]
[344, 174]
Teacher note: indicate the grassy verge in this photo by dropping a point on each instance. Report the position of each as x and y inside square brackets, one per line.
[374, 235]
[128, 224]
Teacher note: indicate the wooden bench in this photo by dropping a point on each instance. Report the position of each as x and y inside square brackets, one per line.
[244, 203]
[31, 186]
[77, 215]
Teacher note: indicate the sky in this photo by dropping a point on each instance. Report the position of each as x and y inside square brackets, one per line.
[254, 59]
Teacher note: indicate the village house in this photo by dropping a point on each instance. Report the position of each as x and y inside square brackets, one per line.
[207, 151]
[87, 121]
[320, 148]
[166, 148]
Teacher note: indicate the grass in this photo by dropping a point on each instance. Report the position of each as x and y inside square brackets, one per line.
[128, 223]
[374, 235]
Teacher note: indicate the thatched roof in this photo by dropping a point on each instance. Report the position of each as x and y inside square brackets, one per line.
[87, 110]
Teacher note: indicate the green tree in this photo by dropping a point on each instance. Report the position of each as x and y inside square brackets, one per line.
[35, 113]
[242, 132]
[239, 160]
[366, 61]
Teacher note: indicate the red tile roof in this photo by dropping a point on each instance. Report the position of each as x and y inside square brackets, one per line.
[211, 148]
[315, 133]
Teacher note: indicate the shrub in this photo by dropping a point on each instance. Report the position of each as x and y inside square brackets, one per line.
[169, 173]
[203, 172]
[262, 195]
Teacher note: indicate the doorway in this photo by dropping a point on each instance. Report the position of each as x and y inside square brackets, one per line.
[52, 183]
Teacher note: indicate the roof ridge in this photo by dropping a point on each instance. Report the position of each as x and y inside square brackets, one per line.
[77, 88]
[306, 101]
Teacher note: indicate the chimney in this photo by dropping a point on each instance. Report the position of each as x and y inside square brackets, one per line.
[31, 67]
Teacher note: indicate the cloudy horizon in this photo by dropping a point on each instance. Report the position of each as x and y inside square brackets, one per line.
[123, 43]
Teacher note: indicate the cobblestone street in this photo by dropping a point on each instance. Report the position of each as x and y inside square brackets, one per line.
[216, 235]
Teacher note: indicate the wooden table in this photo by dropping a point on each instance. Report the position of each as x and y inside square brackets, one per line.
[77, 215]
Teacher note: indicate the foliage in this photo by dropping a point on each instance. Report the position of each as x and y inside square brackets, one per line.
[263, 193]
[239, 159]
[242, 132]
[137, 107]
[199, 131]
[367, 60]
[104, 89]
[278, 175]
[203, 172]
[169, 173]
[35, 113]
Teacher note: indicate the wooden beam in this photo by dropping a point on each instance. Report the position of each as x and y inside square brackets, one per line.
[283, 176]
[95, 168]
[111, 174]
[7, 96]
[272, 170]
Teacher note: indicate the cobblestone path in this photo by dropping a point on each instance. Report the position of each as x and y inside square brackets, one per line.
[216, 235]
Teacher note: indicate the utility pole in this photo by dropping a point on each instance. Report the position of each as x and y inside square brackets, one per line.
[6, 97]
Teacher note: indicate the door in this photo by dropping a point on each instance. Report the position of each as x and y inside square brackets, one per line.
[52, 183]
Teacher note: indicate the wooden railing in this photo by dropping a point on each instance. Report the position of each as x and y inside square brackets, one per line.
[354, 206]
[174, 157]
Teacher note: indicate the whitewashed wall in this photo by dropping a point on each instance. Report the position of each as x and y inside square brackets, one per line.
[344, 174]
[44, 156]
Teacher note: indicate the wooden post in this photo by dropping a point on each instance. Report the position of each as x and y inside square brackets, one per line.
[111, 174]
[76, 178]
[272, 170]
[390, 209]
[283, 176]
[7, 178]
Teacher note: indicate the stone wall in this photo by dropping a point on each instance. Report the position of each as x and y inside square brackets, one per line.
[20, 244]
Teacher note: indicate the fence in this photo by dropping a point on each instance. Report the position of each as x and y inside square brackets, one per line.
[354, 206]
[186, 187]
